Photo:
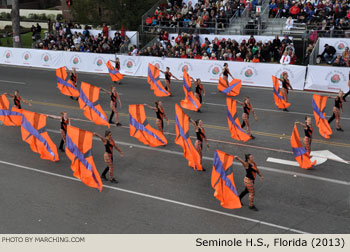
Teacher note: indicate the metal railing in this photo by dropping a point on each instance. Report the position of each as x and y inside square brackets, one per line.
[151, 11]
[314, 53]
[183, 27]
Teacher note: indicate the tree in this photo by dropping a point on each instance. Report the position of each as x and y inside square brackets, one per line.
[112, 12]
[15, 24]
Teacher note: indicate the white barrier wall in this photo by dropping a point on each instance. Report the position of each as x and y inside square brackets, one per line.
[328, 79]
[251, 74]
[132, 35]
[338, 43]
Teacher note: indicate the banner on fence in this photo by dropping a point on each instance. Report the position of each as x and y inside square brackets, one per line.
[338, 43]
[328, 79]
[132, 35]
[251, 74]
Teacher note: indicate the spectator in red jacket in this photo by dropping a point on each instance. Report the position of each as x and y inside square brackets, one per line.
[105, 31]
[294, 10]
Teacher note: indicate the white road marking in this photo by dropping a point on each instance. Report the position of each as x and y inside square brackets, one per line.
[271, 110]
[14, 82]
[282, 161]
[326, 154]
[163, 199]
[340, 182]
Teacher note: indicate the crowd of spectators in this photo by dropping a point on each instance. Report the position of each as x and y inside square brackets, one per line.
[327, 17]
[251, 50]
[329, 55]
[62, 38]
[206, 14]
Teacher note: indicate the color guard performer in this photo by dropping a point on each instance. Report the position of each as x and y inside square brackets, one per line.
[168, 76]
[17, 99]
[114, 96]
[247, 107]
[74, 78]
[160, 114]
[308, 132]
[285, 86]
[226, 72]
[200, 133]
[108, 156]
[117, 67]
[338, 105]
[63, 130]
[251, 170]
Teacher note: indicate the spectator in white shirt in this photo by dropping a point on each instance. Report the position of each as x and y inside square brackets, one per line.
[285, 59]
[134, 51]
[289, 23]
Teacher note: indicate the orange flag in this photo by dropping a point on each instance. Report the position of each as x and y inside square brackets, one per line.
[10, 116]
[64, 84]
[140, 128]
[114, 73]
[79, 151]
[299, 151]
[232, 89]
[277, 95]
[319, 105]
[154, 81]
[33, 128]
[88, 101]
[183, 139]
[190, 102]
[233, 122]
[222, 181]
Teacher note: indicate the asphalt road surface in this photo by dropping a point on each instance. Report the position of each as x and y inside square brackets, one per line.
[157, 191]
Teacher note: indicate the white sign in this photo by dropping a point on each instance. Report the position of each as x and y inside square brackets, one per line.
[251, 74]
[258, 9]
[188, 2]
[329, 79]
[338, 43]
[132, 35]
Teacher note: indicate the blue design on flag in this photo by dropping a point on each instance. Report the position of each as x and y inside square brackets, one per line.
[220, 169]
[142, 127]
[90, 105]
[79, 155]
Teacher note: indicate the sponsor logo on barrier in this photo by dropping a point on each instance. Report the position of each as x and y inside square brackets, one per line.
[158, 64]
[185, 66]
[279, 73]
[99, 62]
[214, 70]
[248, 73]
[76, 60]
[46, 59]
[26, 56]
[8, 56]
[334, 78]
[341, 44]
[129, 64]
